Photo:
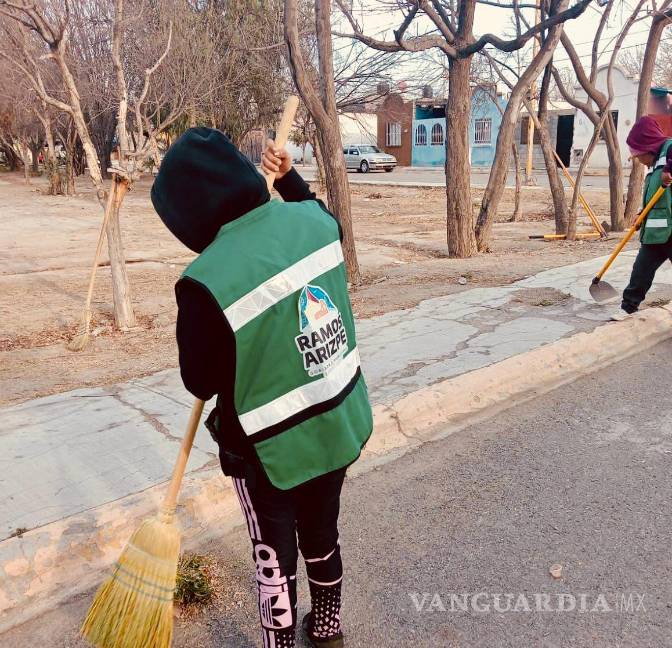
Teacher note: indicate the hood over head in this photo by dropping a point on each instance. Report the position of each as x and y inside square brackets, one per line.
[205, 182]
[646, 136]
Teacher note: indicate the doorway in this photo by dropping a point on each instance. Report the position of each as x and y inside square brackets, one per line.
[564, 138]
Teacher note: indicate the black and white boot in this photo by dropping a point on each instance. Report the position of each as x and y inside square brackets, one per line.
[333, 641]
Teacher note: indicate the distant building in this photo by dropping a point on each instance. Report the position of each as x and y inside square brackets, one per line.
[429, 132]
[560, 129]
[395, 128]
[415, 131]
[623, 110]
[487, 108]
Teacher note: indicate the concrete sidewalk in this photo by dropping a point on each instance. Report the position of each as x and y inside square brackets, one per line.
[74, 464]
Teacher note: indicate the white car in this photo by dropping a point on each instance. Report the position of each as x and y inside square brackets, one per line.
[366, 157]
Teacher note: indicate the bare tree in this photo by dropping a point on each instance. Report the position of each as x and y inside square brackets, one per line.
[662, 17]
[497, 180]
[452, 34]
[53, 31]
[597, 106]
[21, 132]
[322, 107]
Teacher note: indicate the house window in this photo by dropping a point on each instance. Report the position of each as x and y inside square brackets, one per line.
[614, 116]
[421, 135]
[437, 135]
[482, 131]
[393, 134]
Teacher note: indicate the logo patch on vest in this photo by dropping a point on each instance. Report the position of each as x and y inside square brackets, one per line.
[323, 340]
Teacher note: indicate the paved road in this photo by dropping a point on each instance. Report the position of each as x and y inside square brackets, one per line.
[579, 477]
[436, 177]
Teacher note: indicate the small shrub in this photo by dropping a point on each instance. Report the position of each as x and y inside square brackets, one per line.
[194, 582]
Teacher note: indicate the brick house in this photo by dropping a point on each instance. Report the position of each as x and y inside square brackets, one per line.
[395, 128]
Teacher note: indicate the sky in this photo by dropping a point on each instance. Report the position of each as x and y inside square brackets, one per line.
[378, 19]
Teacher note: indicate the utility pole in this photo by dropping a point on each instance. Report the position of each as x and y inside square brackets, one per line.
[529, 177]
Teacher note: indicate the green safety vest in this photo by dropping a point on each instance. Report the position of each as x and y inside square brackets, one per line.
[657, 227]
[279, 277]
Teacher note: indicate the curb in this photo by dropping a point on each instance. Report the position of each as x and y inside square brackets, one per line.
[50, 564]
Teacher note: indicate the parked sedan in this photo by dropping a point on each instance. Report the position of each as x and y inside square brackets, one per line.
[364, 158]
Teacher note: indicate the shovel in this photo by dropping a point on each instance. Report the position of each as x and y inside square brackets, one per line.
[602, 291]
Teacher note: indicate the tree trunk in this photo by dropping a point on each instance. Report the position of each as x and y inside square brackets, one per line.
[554, 180]
[55, 181]
[319, 161]
[636, 181]
[459, 209]
[497, 180]
[11, 157]
[516, 199]
[123, 309]
[35, 155]
[322, 108]
[123, 306]
[338, 193]
[25, 158]
[70, 142]
[70, 187]
[615, 177]
[573, 209]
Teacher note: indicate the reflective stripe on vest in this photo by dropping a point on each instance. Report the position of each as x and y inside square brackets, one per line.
[301, 398]
[655, 223]
[283, 284]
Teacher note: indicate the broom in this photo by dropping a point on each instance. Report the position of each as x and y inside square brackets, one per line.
[116, 195]
[134, 607]
[282, 133]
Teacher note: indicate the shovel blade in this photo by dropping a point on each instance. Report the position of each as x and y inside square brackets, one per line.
[601, 291]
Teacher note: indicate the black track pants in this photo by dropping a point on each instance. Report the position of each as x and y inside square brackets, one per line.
[649, 259]
[274, 520]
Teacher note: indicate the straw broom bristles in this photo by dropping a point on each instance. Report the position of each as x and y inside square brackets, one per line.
[134, 607]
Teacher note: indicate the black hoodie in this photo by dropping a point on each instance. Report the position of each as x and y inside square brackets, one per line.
[205, 182]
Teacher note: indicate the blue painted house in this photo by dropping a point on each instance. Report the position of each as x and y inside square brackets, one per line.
[429, 129]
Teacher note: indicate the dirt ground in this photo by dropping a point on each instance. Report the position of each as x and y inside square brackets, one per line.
[48, 244]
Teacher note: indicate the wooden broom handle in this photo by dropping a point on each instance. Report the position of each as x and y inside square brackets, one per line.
[284, 127]
[170, 501]
[114, 198]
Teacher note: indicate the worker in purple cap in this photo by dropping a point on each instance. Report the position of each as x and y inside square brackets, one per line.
[650, 146]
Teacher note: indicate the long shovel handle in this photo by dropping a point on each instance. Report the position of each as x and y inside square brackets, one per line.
[591, 214]
[640, 219]
[284, 127]
[170, 501]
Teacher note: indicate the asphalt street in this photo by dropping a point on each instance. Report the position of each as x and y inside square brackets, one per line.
[436, 177]
[451, 545]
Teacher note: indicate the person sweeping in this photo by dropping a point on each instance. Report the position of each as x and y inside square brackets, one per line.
[265, 324]
[650, 146]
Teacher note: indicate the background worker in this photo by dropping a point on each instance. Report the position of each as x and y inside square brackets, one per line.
[650, 146]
